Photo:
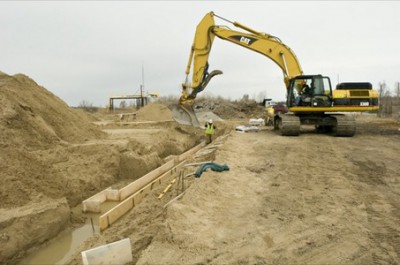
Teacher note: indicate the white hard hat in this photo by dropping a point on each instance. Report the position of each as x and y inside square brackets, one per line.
[210, 121]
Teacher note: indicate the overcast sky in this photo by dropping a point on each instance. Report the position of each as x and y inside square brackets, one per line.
[92, 50]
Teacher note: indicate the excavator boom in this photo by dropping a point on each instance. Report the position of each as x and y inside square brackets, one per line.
[206, 31]
[262, 43]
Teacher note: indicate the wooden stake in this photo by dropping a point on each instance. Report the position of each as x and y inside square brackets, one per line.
[91, 220]
[167, 188]
[174, 199]
[197, 164]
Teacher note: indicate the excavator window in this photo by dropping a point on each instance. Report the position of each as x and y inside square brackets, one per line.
[313, 90]
[321, 86]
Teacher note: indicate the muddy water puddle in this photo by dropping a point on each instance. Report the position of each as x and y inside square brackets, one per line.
[63, 247]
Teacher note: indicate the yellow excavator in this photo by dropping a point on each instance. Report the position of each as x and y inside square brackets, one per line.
[309, 98]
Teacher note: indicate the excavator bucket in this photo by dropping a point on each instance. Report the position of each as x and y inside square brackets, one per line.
[184, 114]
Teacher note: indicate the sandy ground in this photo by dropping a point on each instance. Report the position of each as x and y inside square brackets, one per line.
[312, 199]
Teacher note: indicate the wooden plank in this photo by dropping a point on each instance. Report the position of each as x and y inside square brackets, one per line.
[139, 183]
[112, 195]
[119, 210]
[103, 222]
[144, 122]
[125, 206]
[115, 213]
[197, 163]
[133, 193]
[108, 218]
[190, 152]
[167, 188]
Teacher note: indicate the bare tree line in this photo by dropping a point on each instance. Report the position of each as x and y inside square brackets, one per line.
[389, 100]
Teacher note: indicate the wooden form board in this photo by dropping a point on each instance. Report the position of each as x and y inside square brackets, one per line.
[133, 193]
[125, 206]
[139, 183]
[191, 151]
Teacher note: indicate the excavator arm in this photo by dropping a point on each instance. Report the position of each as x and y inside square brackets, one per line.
[262, 43]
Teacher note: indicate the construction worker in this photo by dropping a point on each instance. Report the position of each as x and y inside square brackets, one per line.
[303, 97]
[306, 90]
[209, 130]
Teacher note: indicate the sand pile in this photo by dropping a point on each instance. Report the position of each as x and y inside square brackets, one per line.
[45, 163]
[34, 117]
[154, 112]
[53, 157]
[35, 126]
[226, 109]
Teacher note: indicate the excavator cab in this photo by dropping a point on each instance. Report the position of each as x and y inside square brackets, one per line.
[309, 91]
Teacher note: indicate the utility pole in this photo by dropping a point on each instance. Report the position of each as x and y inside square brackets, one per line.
[142, 87]
[141, 96]
[382, 91]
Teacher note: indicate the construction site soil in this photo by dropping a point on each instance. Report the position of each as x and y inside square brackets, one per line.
[311, 199]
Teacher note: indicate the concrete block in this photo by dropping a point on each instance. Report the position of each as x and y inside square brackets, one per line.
[112, 195]
[93, 206]
[119, 252]
[93, 203]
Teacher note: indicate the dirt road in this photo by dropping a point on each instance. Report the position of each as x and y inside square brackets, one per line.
[310, 199]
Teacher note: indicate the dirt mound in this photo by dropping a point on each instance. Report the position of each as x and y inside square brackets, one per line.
[226, 109]
[154, 112]
[44, 158]
[34, 122]
[34, 117]
[51, 152]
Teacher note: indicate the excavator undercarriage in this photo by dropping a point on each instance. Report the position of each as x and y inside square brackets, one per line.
[289, 124]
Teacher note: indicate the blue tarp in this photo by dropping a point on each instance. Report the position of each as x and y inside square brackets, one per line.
[213, 166]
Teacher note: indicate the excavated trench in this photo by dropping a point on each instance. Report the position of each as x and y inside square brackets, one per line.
[60, 249]
[54, 157]
[140, 149]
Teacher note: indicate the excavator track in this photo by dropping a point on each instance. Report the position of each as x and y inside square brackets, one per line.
[345, 125]
[289, 125]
